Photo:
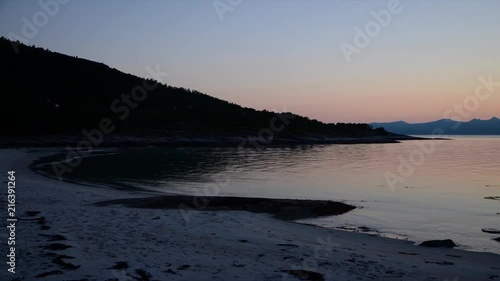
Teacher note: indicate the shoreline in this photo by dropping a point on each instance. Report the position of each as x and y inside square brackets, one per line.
[175, 200]
[76, 240]
[194, 202]
[190, 140]
[166, 200]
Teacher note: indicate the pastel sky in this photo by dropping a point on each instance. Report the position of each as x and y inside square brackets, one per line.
[285, 55]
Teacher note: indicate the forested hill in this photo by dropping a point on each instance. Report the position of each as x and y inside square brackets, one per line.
[44, 92]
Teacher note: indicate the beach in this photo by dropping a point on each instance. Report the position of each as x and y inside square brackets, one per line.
[64, 233]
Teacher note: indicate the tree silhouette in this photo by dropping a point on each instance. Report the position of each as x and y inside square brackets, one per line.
[44, 92]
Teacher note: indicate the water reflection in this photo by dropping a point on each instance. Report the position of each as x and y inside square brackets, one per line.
[443, 197]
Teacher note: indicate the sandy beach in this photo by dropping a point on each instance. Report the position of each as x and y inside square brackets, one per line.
[64, 233]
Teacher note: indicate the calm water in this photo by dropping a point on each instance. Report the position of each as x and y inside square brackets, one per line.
[443, 198]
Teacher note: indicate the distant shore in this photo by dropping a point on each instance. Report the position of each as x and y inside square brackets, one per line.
[190, 139]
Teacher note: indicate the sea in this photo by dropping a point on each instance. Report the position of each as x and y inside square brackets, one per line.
[415, 190]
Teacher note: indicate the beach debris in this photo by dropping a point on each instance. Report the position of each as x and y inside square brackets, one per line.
[45, 274]
[491, 230]
[492, 197]
[365, 229]
[143, 275]
[447, 243]
[287, 245]
[55, 237]
[41, 221]
[120, 265]
[410, 254]
[305, 274]
[183, 267]
[56, 247]
[346, 228]
[170, 271]
[440, 262]
[60, 260]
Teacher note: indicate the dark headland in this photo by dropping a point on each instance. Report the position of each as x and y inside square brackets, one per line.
[60, 100]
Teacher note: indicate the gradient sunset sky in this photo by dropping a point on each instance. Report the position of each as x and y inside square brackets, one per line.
[286, 56]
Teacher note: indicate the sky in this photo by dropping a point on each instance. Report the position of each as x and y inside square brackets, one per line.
[421, 61]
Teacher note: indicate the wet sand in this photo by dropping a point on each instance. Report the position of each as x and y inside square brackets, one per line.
[287, 209]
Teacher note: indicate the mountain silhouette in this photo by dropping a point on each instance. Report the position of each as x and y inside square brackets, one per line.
[450, 127]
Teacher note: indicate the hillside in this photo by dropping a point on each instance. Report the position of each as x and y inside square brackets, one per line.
[50, 93]
[450, 127]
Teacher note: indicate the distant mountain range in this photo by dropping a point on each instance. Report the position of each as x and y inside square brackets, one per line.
[450, 127]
